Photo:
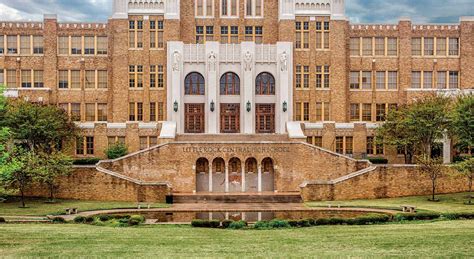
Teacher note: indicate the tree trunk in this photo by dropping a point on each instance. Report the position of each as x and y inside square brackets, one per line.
[51, 192]
[433, 182]
[470, 189]
[22, 198]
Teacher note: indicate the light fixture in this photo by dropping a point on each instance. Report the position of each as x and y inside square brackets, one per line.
[249, 106]
[213, 106]
[285, 106]
[175, 106]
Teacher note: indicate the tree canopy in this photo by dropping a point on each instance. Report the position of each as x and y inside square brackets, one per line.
[462, 126]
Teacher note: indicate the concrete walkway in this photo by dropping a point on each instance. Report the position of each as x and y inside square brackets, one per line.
[228, 207]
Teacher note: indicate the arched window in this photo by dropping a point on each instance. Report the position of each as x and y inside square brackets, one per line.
[230, 84]
[194, 84]
[265, 84]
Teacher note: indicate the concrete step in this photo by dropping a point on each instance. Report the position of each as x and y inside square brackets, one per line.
[237, 198]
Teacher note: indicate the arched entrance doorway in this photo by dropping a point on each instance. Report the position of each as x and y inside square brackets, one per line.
[235, 175]
[251, 175]
[268, 175]
[202, 175]
[218, 175]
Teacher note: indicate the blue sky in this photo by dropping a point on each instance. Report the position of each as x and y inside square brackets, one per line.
[359, 11]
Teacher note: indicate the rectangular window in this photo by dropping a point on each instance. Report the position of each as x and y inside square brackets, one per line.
[441, 46]
[2, 44]
[453, 80]
[136, 111]
[254, 34]
[322, 35]
[355, 46]
[75, 111]
[416, 46]
[392, 46]
[63, 79]
[156, 76]
[370, 145]
[340, 145]
[102, 79]
[11, 79]
[380, 46]
[38, 78]
[25, 45]
[101, 112]
[135, 76]
[349, 145]
[161, 111]
[135, 34]
[354, 82]
[366, 112]
[90, 79]
[143, 143]
[156, 34]
[298, 76]
[380, 112]
[2, 77]
[298, 111]
[322, 76]
[229, 7]
[75, 79]
[102, 45]
[26, 78]
[89, 44]
[199, 7]
[302, 35]
[441, 82]
[80, 146]
[367, 46]
[12, 44]
[90, 145]
[153, 111]
[453, 46]
[76, 45]
[322, 111]
[90, 111]
[306, 111]
[392, 79]
[380, 79]
[427, 79]
[429, 46]
[38, 44]
[366, 80]
[63, 45]
[306, 76]
[416, 79]
[355, 112]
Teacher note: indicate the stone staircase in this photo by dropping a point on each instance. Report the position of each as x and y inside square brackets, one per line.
[237, 198]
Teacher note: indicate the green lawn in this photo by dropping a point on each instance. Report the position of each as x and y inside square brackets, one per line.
[38, 207]
[427, 239]
[447, 203]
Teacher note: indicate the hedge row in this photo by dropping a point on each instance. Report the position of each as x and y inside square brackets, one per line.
[111, 220]
[199, 223]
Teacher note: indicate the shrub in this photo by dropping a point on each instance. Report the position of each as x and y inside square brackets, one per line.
[322, 222]
[138, 218]
[378, 160]
[293, 223]
[336, 221]
[89, 219]
[214, 223]
[199, 223]
[2, 220]
[58, 220]
[459, 215]
[312, 222]
[86, 161]
[123, 220]
[104, 218]
[261, 225]
[277, 223]
[369, 219]
[226, 223]
[238, 224]
[304, 223]
[116, 150]
[80, 219]
[427, 215]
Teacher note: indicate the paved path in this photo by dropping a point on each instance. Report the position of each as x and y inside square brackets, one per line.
[229, 207]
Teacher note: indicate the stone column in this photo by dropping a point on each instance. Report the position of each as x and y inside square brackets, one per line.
[210, 177]
[446, 149]
[284, 86]
[226, 177]
[243, 177]
[174, 84]
[360, 140]
[247, 86]
[212, 65]
[259, 178]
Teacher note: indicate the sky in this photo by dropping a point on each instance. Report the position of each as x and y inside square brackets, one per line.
[359, 11]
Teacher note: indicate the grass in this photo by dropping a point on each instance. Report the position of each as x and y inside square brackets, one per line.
[39, 207]
[447, 203]
[421, 239]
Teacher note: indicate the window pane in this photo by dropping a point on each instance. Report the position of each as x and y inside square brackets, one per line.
[25, 47]
[90, 79]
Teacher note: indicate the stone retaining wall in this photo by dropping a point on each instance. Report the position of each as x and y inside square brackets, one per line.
[383, 182]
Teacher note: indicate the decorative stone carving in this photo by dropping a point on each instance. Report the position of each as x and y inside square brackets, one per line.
[176, 60]
[284, 61]
[248, 61]
[212, 60]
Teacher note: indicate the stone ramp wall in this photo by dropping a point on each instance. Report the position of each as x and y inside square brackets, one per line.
[87, 183]
[383, 182]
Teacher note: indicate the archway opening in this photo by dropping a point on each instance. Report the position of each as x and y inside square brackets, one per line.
[235, 175]
[218, 175]
[268, 175]
[202, 175]
[251, 175]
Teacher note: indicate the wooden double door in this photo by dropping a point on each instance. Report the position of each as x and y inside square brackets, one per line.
[194, 118]
[230, 118]
[265, 118]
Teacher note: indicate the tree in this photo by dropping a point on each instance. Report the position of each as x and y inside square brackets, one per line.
[41, 128]
[417, 126]
[433, 168]
[462, 126]
[466, 168]
[18, 173]
[51, 167]
[116, 150]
